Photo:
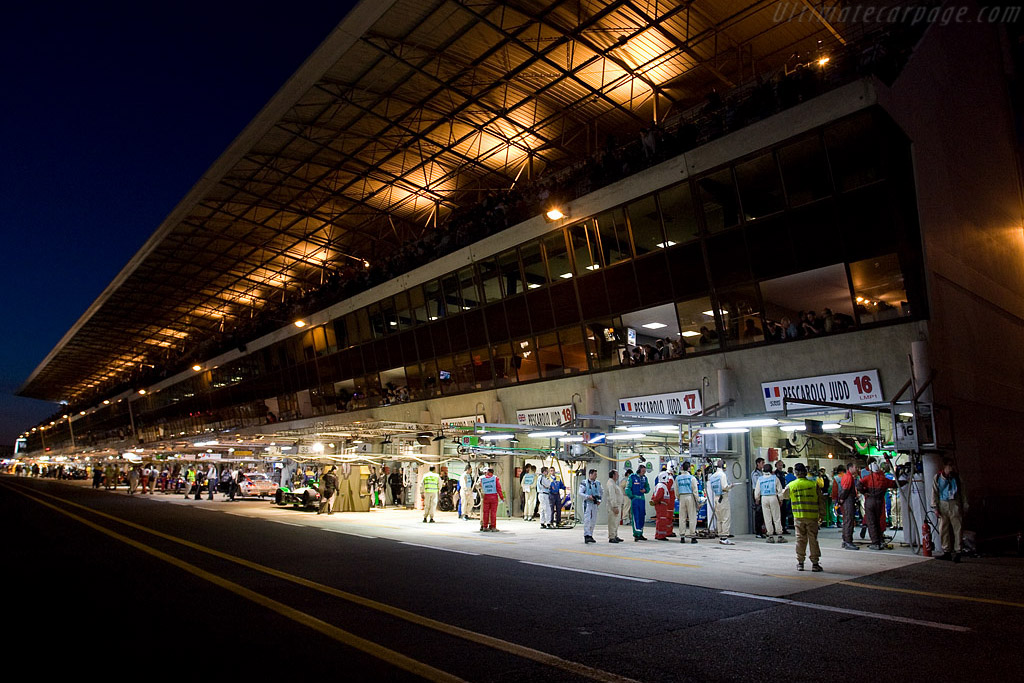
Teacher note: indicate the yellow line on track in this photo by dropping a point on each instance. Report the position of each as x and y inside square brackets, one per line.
[632, 559]
[521, 651]
[907, 591]
[344, 637]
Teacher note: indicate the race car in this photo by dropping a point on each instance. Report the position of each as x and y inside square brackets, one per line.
[306, 496]
[257, 484]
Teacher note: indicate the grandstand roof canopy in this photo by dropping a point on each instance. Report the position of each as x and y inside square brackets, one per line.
[407, 110]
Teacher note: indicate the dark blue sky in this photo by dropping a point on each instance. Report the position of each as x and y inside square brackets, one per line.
[111, 112]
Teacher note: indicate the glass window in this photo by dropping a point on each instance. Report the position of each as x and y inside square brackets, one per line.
[434, 296]
[807, 304]
[525, 359]
[470, 293]
[698, 331]
[369, 387]
[645, 223]
[679, 214]
[718, 197]
[760, 187]
[879, 289]
[465, 377]
[655, 329]
[574, 352]
[417, 306]
[490, 279]
[376, 320]
[549, 355]
[393, 386]
[584, 247]
[452, 300]
[557, 254]
[614, 236]
[805, 171]
[533, 265]
[511, 274]
[605, 339]
[504, 364]
[481, 368]
[854, 152]
[403, 313]
[446, 375]
[390, 317]
[431, 379]
[741, 316]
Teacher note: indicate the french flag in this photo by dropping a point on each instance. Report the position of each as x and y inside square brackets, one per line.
[768, 392]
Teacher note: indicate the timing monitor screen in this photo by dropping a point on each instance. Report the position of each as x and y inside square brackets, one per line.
[21, 446]
[444, 374]
[609, 334]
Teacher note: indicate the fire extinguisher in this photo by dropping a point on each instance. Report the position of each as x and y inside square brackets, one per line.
[926, 539]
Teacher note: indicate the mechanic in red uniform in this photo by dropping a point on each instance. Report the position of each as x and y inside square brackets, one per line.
[491, 488]
[873, 487]
[664, 502]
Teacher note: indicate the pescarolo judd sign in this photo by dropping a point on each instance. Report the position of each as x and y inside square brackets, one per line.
[850, 387]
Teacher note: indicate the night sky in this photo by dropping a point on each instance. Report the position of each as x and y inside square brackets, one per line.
[111, 112]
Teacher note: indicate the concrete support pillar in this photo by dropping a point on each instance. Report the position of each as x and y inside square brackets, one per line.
[726, 388]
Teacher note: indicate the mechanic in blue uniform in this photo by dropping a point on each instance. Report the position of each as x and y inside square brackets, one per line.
[637, 487]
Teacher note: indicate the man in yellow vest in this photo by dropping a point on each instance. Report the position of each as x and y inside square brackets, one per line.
[803, 493]
[429, 488]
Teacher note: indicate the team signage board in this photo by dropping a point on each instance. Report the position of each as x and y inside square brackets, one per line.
[676, 403]
[546, 417]
[467, 421]
[850, 387]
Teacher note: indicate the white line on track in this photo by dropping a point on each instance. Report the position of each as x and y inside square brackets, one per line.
[856, 612]
[347, 533]
[279, 521]
[434, 547]
[588, 571]
[238, 514]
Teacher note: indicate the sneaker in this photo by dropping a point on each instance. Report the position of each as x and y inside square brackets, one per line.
[693, 540]
[760, 536]
[799, 566]
[672, 535]
[815, 567]
[873, 546]
[771, 539]
[431, 521]
[642, 538]
[424, 519]
[850, 546]
[725, 541]
[782, 539]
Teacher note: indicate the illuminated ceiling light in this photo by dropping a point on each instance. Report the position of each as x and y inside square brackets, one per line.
[823, 61]
[754, 422]
[318, 447]
[300, 323]
[366, 264]
[393, 323]
[565, 276]
[106, 402]
[142, 392]
[831, 426]
[64, 416]
[571, 439]
[82, 412]
[665, 245]
[724, 430]
[624, 436]
[690, 333]
[906, 415]
[594, 267]
[496, 437]
[546, 435]
[555, 214]
[465, 308]
[533, 285]
[793, 428]
[654, 326]
[433, 317]
[52, 423]
[197, 367]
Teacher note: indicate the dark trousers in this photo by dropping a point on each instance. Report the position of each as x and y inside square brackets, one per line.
[874, 509]
[849, 513]
[758, 518]
[396, 495]
[555, 500]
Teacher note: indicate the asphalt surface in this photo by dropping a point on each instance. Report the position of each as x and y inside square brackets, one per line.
[92, 599]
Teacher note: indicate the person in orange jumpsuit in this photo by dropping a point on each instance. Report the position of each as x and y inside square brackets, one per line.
[664, 502]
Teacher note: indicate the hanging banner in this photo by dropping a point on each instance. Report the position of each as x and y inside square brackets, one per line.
[676, 403]
[850, 387]
[546, 417]
[467, 421]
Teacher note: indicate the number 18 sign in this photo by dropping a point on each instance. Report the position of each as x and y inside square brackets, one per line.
[850, 387]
